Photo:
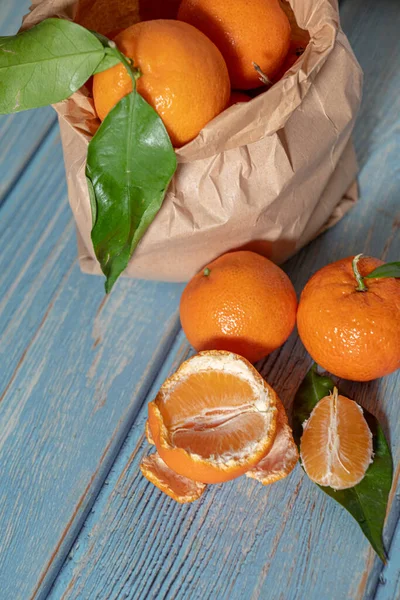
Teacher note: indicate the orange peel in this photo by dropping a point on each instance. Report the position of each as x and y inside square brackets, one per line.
[179, 488]
[214, 419]
[283, 456]
[148, 434]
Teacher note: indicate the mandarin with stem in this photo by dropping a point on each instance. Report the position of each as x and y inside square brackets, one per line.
[351, 326]
[183, 76]
[241, 302]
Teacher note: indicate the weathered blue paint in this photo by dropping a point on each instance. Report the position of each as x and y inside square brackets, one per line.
[21, 135]
[389, 580]
[11, 15]
[76, 373]
[60, 389]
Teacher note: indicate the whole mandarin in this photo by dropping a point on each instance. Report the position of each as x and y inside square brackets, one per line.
[184, 76]
[241, 302]
[353, 334]
[245, 32]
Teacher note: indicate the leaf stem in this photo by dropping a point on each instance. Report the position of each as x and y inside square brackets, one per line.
[134, 73]
[361, 287]
[206, 272]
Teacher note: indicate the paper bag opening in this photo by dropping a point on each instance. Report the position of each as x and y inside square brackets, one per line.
[272, 172]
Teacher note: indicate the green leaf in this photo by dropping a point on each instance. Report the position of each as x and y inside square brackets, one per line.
[367, 501]
[130, 164]
[93, 203]
[109, 60]
[46, 64]
[391, 269]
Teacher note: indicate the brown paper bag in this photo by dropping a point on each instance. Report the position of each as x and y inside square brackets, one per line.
[268, 175]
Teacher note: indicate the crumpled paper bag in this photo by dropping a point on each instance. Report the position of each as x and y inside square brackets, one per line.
[268, 175]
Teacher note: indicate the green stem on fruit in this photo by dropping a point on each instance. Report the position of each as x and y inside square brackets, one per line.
[134, 73]
[361, 287]
[261, 75]
[206, 272]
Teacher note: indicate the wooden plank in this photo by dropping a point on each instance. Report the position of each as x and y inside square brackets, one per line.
[74, 367]
[37, 267]
[11, 15]
[38, 248]
[21, 134]
[389, 580]
[371, 31]
[288, 541]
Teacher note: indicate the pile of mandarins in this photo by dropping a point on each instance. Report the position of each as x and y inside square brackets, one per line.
[190, 64]
[216, 418]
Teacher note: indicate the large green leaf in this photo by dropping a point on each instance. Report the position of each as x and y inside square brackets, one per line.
[130, 164]
[47, 64]
[367, 501]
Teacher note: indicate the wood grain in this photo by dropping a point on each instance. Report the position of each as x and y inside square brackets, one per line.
[65, 403]
[21, 134]
[77, 372]
[37, 252]
[389, 580]
[11, 15]
[288, 541]
[69, 400]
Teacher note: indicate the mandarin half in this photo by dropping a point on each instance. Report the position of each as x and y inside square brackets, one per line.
[214, 419]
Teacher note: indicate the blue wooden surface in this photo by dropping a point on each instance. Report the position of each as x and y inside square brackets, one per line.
[23, 134]
[389, 579]
[77, 372]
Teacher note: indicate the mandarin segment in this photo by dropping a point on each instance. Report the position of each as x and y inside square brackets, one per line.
[214, 419]
[241, 302]
[354, 335]
[245, 32]
[179, 488]
[184, 76]
[282, 457]
[336, 445]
